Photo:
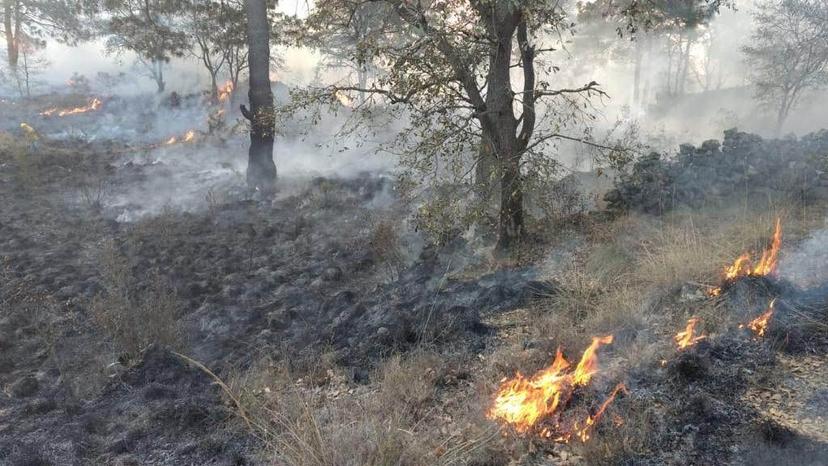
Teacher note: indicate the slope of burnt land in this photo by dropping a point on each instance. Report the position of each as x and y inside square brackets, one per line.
[293, 277]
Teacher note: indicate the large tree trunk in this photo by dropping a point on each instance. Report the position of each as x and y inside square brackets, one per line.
[261, 170]
[485, 169]
[499, 102]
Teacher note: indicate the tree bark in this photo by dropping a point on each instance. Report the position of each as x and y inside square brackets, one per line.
[499, 103]
[261, 170]
[485, 169]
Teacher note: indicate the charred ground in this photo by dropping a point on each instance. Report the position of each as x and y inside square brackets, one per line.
[340, 336]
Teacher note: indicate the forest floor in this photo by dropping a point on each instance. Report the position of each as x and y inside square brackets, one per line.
[151, 314]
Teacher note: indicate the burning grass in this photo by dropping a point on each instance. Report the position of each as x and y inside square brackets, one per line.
[94, 104]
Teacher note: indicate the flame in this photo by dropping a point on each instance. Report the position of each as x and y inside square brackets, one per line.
[93, 105]
[743, 265]
[343, 99]
[588, 365]
[688, 337]
[523, 402]
[225, 91]
[189, 136]
[583, 432]
[760, 324]
[767, 264]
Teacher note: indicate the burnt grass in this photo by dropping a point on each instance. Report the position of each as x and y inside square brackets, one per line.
[292, 278]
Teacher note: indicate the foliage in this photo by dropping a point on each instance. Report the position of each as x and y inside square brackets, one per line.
[788, 52]
[151, 29]
[217, 32]
[447, 74]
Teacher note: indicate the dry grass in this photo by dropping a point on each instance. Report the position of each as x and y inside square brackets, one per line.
[135, 318]
[384, 243]
[341, 425]
[616, 286]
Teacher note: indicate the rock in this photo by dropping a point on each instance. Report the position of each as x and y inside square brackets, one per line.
[24, 387]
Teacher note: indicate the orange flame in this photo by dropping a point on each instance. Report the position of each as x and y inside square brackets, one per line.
[688, 337]
[225, 91]
[760, 324]
[523, 402]
[588, 365]
[583, 432]
[767, 264]
[743, 267]
[94, 104]
[189, 136]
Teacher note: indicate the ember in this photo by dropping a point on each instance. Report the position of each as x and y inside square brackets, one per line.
[93, 105]
[524, 402]
[743, 266]
[688, 337]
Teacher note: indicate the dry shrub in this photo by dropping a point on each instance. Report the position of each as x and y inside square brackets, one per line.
[385, 245]
[623, 436]
[95, 188]
[695, 246]
[306, 426]
[409, 382]
[135, 318]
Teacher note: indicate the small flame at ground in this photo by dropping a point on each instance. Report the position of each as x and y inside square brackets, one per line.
[743, 265]
[688, 337]
[524, 402]
[189, 136]
[583, 432]
[760, 324]
[94, 104]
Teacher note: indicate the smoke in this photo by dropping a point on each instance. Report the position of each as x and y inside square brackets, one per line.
[807, 265]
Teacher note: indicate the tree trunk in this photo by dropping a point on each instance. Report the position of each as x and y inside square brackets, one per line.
[781, 115]
[159, 76]
[362, 81]
[511, 202]
[485, 170]
[685, 66]
[214, 95]
[637, 78]
[261, 170]
[11, 10]
[499, 102]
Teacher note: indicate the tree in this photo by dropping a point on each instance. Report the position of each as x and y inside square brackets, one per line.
[450, 65]
[261, 170]
[217, 31]
[26, 21]
[30, 65]
[150, 29]
[788, 53]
